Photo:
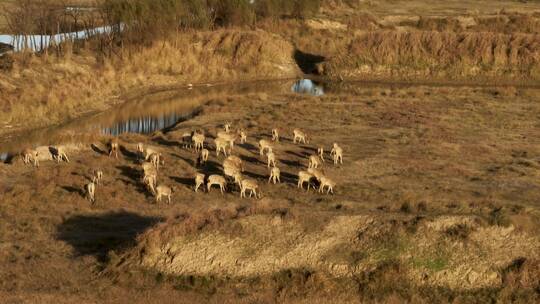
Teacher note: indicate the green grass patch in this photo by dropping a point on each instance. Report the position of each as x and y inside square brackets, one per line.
[434, 264]
[390, 249]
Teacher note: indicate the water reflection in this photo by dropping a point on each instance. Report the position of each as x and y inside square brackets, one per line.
[147, 113]
[145, 125]
[307, 86]
[4, 156]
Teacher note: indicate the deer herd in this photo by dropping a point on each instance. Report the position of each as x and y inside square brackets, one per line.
[233, 166]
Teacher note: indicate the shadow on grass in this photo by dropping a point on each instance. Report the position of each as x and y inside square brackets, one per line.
[96, 235]
[98, 150]
[301, 154]
[188, 182]
[72, 189]
[165, 142]
[128, 154]
[129, 172]
[251, 159]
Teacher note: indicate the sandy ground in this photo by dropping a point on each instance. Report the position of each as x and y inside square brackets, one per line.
[448, 156]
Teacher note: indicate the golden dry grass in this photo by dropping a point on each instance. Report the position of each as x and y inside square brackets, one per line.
[401, 44]
[439, 55]
[447, 177]
[49, 90]
[419, 161]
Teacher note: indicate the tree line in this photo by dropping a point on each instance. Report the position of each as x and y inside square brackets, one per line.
[142, 22]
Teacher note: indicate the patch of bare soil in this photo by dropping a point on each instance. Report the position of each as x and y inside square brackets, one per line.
[437, 199]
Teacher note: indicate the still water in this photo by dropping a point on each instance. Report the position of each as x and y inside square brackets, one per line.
[148, 113]
[307, 86]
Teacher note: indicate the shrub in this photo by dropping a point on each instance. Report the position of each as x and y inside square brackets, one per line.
[405, 207]
[6, 62]
[295, 8]
[498, 217]
[458, 232]
[233, 12]
[305, 8]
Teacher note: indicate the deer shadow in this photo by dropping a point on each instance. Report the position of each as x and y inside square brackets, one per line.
[76, 190]
[165, 142]
[309, 148]
[129, 154]
[288, 177]
[254, 175]
[98, 150]
[54, 152]
[251, 159]
[249, 147]
[129, 172]
[188, 182]
[291, 163]
[210, 167]
[302, 154]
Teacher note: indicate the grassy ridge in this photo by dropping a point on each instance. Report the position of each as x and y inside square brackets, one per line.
[439, 54]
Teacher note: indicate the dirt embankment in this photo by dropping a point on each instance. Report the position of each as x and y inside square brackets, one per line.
[438, 250]
[443, 46]
[438, 55]
[50, 90]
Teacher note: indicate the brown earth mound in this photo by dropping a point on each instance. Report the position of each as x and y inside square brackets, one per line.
[230, 244]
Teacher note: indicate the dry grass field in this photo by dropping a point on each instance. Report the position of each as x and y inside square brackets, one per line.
[419, 41]
[437, 201]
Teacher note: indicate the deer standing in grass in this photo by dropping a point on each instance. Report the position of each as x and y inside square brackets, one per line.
[199, 181]
[327, 182]
[61, 155]
[30, 155]
[98, 176]
[275, 134]
[243, 136]
[299, 136]
[163, 190]
[264, 145]
[90, 190]
[304, 177]
[320, 152]
[247, 184]
[216, 180]
[113, 148]
[274, 175]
